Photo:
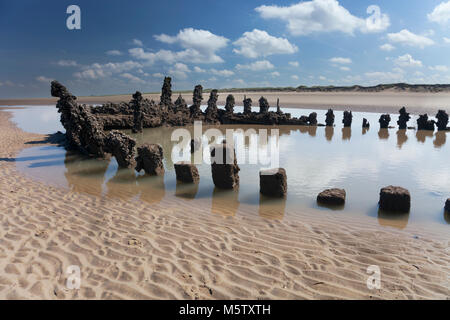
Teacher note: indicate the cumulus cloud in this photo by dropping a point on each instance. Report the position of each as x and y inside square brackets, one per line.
[387, 47]
[294, 77]
[132, 78]
[199, 70]
[200, 46]
[179, 71]
[275, 74]
[340, 60]
[315, 16]
[43, 79]
[10, 83]
[97, 70]
[441, 13]
[256, 66]
[407, 61]
[67, 63]
[407, 38]
[114, 53]
[223, 73]
[137, 42]
[344, 68]
[381, 77]
[259, 43]
[294, 63]
[440, 68]
[446, 40]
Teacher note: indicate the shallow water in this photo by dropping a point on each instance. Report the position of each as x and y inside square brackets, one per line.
[315, 158]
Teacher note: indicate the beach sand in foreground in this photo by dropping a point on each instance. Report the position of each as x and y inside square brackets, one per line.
[140, 251]
[389, 102]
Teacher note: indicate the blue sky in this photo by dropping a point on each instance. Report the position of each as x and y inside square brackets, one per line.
[125, 46]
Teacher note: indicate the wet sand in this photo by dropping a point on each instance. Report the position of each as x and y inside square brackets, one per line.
[136, 250]
[388, 101]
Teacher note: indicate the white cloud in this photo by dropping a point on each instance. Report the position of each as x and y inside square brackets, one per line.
[97, 70]
[223, 73]
[387, 47]
[179, 70]
[405, 37]
[322, 78]
[256, 66]
[200, 46]
[259, 43]
[157, 75]
[441, 13]
[294, 64]
[43, 79]
[137, 42]
[67, 63]
[9, 83]
[132, 78]
[294, 77]
[352, 79]
[446, 40]
[341, 60]
[439, 68]
[309, 17]
[199, 70]
[381, 77]
[344, 68]
[275, 74]
[114, 53]
[407, 61]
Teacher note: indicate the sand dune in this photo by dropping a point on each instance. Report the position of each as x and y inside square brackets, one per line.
[134, 250]
[390, 102]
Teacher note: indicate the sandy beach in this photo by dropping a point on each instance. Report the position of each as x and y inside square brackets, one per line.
[138, 250]
[389, 102]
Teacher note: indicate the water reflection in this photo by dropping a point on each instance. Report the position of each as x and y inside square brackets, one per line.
[329, 131]
[393, 219]
[401, 137]
[383, 134]
[447, 216]
[311, 130]
[333, 207]
[271, 208]
[346, 133]
[421, 135]
[225, 202]
[79, 168]
[440, 139]
[186, 191]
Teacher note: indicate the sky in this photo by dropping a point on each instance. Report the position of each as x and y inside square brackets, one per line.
[124, 46]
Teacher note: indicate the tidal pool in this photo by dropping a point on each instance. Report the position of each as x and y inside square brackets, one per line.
[315, 158]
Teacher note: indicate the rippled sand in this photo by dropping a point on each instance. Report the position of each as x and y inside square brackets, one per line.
[137, 250]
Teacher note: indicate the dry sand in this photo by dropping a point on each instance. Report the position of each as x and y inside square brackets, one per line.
[388, 101]
[179, 250]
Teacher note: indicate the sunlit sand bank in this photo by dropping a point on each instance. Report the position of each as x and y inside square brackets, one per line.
[389, 102]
